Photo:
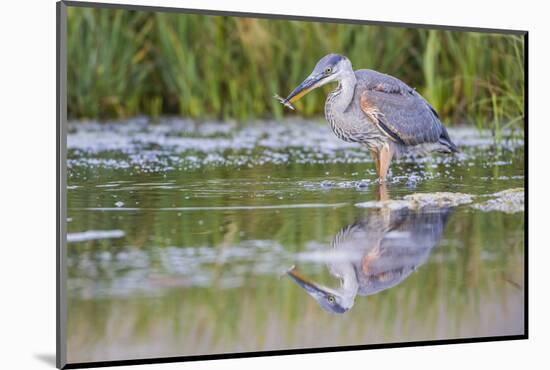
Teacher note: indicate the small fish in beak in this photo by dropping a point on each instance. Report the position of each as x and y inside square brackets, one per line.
[312, 82]
[284, 101]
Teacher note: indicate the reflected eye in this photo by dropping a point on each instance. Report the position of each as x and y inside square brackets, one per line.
[330, 299]
[328, 70]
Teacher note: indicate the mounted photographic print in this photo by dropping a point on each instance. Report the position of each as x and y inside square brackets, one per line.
[235, 184]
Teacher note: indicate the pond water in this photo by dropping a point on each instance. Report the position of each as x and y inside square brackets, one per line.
[197, 238]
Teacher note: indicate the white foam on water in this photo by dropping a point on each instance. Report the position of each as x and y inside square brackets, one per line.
[185, 145]
[94, 235]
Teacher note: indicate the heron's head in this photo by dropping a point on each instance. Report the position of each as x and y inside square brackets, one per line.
[331, 67]
[329, 299]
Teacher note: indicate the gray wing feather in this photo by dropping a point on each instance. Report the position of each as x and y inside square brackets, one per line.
[398, 109]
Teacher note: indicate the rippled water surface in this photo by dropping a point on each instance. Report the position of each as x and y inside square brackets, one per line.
[194, 238]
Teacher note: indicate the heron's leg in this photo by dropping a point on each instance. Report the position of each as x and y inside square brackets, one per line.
[386, 154]
[376, 159]
[383, 194]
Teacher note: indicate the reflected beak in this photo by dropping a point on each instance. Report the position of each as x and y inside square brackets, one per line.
[306, 86]
[329, 300]
[315, 290]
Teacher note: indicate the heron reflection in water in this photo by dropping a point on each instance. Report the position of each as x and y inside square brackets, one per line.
[376, 253]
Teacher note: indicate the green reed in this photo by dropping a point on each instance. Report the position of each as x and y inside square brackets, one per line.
[123, 63]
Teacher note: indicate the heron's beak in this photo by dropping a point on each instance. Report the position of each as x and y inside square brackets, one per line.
[315, 290]
[306, 86]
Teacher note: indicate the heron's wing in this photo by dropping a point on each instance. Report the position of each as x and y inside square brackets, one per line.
[402, 250]
[370, 229]
[397, 109]
[405, 117]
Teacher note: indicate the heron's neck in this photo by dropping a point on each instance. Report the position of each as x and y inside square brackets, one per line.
[350, 286]
[343, 94]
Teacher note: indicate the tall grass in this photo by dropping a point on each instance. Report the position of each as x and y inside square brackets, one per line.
[487, 86]
[122, 63]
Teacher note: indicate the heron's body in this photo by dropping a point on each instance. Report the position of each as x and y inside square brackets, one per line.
[376, 110]
[345, 116]
[377, 253]
[389, 248]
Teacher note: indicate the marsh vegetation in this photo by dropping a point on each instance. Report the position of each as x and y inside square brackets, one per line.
[123, 64]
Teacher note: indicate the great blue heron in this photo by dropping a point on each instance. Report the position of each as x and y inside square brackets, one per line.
[376, 110]
[376, 253]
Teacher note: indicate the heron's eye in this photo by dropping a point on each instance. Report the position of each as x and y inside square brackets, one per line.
[328, 70]
[330, 299]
